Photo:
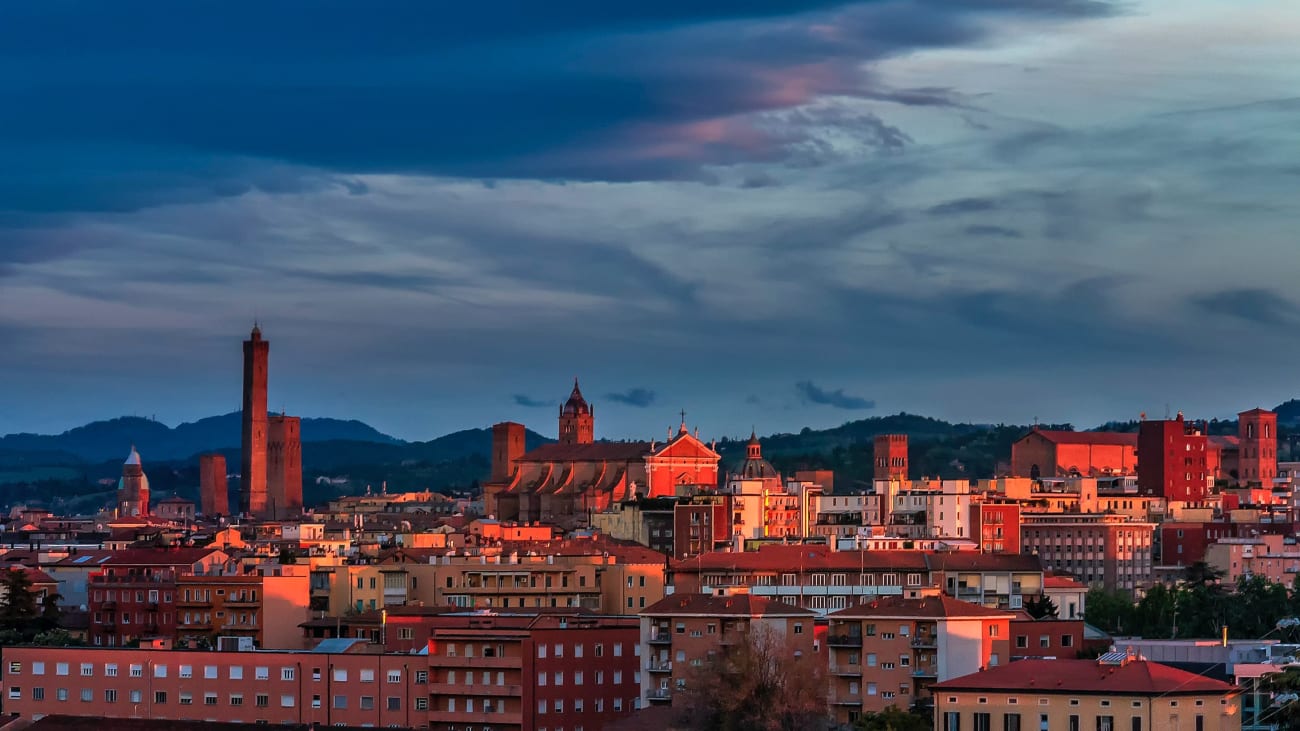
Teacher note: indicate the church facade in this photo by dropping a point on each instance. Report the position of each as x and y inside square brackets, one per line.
[565, 482]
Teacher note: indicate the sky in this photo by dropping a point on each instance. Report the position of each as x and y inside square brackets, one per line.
[770, 214]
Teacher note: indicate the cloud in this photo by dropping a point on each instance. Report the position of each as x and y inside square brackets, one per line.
[753, 399]
[1004, 232]
[810, 392]
[529, 402]
[637, 397]
[963, 205]
[632, 90]
[1253, 305]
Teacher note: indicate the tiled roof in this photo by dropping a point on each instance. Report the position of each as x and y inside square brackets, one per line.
[1088, 437]
[158, 556]
[930, 607]
[1136, 677]
[595, 452]
[806, 558]
[972, 561]
[740, 605]
[1062, 582]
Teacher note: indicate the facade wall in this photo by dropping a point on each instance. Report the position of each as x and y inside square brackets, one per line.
[284, 466]
[252, 466]
[1115, 555]
[890, 453]
[1173, 461]
[1042, 709]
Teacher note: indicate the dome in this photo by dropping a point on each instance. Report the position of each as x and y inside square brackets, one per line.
[576, 403]
[133, 458]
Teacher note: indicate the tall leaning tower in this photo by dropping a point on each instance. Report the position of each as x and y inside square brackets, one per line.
[252, 466]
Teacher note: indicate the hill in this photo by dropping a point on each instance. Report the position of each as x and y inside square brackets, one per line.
[112, 438]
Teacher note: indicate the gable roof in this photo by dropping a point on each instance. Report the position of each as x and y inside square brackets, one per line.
[1136, 677]
[930, 607]
[740, 605]
[804, 558]
[1102, 438]
[594, 452]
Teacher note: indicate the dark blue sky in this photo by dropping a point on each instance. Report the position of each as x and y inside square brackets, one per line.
[767, 213]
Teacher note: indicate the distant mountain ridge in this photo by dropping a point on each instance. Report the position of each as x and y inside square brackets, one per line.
[99, 441]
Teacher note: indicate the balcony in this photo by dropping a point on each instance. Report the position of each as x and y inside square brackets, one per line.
[484, 720]
[844, 699]
[662, 666]
[477, 689]
[850, 670]
[925, 641]
[925, 671]
[237, 600]
[660, 695]
[662, 638]
[844, 640]
[108, 605]
[482, 662]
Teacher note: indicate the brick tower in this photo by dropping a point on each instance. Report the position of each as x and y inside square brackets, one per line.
[507, 446]
[577, 419]
[891, 456]
[1257, 455]
[284, 466]
[213, 496]
[133, 488]
[252, 464]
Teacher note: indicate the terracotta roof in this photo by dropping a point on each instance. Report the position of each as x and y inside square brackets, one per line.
[93, 723]
[806, 558]
[1255, 411]
[594, 452]
[1062, 582]
[740, 605]
[1136, 677]
[158, 556]
[932, 607]
[1087, 437]
[972, 561]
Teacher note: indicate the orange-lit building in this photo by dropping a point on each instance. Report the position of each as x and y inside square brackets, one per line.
[683, 632]
[1175, 460]
[1257, 447]
[133, 594]
[888, 651]
[564, 483]
[890, 453]
[1055, 453]
[996, 525]
[267, 607]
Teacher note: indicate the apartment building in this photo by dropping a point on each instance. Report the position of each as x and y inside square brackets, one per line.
[133, 594]
[505, 673]
[1099, 549]
[997, 580]
[267, 606]
[1116, 692]
[683, 632]
[844, 516]
[538, 673]
[890, 650]
[606, 577]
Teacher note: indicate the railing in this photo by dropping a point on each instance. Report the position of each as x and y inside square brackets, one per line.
[925, 671]
[663, 638]
[925, 641]
[659, 667]
[853, 670]
[660, 694]
[845, 640]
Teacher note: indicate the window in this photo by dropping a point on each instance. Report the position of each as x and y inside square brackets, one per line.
[262, 673]
[185, 671]
[1044, 641]
[87, 669]
[1022, 641]
[38, 694]
[209, 699]
[236, 699]
[1105, 723]
[1011, 722]
[286, 701]
[159, 697]
[15, 693]
[340, 701]
[236, 672]
[993, 630]
[286, 673]
[368, 703]
[1073, 724]
[541, 652]
[340, 675]
[210, 672]
[61, 694]
[951, 721]
[981, 722]
[421, 703]
[406, 633]
[135, 696]
[262, 700]
[185, 699]
[394, 676]
[38, 668]
[110, 696]
[367, 675]
[394, 703]
[421, 676]
[160, 671]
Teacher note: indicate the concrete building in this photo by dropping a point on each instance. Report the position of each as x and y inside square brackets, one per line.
[1117, 692]
[1098, 549]
[890, 650]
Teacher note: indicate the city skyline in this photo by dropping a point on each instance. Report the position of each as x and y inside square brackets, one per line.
[774, 214]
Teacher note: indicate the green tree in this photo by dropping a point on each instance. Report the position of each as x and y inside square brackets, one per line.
[894, 719]
[1109, 611]
[757, 684]
[1042, 607]
[19, 604]
[1284, 688]
[287, 556]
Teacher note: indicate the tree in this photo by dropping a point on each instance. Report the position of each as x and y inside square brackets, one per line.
[19, 604]
[1042, 608]
[1284, 687]
[757, 684]
[894, 719]
[287, 556]
[1109, 611]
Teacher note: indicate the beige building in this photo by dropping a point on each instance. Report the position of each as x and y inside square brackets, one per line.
[1117, 692]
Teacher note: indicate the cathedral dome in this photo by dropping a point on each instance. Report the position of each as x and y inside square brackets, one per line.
[576, 404]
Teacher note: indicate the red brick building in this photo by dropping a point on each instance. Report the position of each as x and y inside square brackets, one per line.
[1174, 460]
[214, 495]
[564, 483]
[701, 525]
[284, 466]
[252, 465]
[890, 452]
[1053, 453]
[1257, 447]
